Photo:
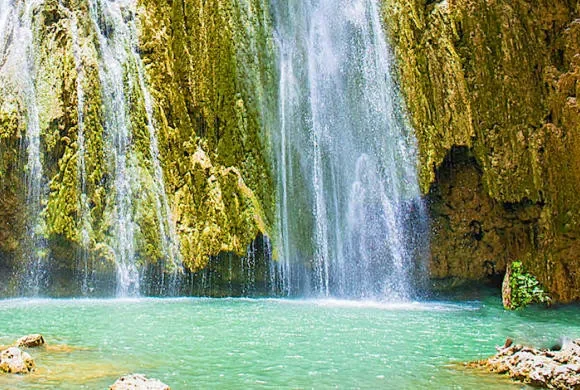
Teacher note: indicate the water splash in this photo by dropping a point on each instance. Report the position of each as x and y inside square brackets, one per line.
[350, 212]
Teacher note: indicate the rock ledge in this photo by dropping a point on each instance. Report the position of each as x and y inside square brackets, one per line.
[553, 369]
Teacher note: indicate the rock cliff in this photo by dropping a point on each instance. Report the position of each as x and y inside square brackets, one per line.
[206, 65]
[491, 87]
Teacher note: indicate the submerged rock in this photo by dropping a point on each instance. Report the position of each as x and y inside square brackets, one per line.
[14, 361]
[30, 341]
[553, 369]
[138, 382]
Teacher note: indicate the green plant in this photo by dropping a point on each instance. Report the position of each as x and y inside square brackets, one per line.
[524, 288]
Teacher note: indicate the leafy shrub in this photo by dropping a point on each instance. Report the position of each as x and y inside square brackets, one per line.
[523, 288]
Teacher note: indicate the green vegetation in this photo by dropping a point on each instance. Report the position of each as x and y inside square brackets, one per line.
[522, 289]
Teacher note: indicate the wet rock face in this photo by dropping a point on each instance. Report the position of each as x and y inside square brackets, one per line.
[501, 80]
[551, 369]
[209, 68]
[138, 382]
[14, 361]
[474, 236]
[30, 341]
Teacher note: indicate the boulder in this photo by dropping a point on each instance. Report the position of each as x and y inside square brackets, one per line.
[553, 369]
[30, 341]
[138, 382]
[14, 361]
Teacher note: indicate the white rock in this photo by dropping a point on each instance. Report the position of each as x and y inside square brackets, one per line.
[138, 382]
[14, 361]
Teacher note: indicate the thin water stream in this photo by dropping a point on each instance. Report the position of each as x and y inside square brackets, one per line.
[84, 204]
[114, 42]
[117, 33]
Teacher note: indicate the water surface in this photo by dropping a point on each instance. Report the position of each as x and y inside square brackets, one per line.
[269, 343]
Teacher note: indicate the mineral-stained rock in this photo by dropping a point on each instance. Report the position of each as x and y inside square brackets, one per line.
[14, 361]
[138, 382]
[30, 341]
[550, 369]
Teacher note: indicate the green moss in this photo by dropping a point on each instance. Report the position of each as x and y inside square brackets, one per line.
[210, 68]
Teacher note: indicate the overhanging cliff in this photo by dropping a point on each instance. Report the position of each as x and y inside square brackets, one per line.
[492, 85]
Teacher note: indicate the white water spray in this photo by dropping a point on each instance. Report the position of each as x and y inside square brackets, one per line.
[350, 207]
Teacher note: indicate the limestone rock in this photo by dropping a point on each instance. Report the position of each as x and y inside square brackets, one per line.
[544, 368]
[138, 382]
[30, 341]
[14, 361]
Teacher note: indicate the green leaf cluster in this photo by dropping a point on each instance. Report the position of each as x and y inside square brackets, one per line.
[525, 288]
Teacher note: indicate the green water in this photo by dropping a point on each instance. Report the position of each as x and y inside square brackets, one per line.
[244, 343]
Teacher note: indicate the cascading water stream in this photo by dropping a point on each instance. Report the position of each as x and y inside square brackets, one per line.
[84, 206]
[114, 39]
[134, 176]
[114, 23]
[350, 205]
[17, 61]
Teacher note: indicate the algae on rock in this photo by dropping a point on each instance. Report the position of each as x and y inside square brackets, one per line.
[208, 66]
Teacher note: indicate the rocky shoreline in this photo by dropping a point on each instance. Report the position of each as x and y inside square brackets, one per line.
[556, 368]
[13, 360]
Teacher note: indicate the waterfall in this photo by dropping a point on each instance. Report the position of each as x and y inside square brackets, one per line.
[351, 220]
[117, 34]
[111, 214]
[114, 41]
[17, 61]
[84, 207]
